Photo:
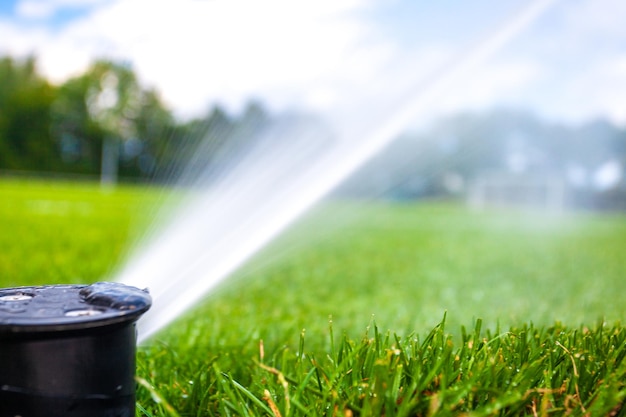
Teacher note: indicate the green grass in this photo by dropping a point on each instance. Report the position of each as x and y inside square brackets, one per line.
[361, 309]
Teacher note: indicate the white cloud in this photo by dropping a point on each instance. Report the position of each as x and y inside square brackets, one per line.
[593, 18]
[318, 53]
[14, 40]
[197, 51]
[569, 66]
[580, 51]
[496, 81]
[35, 9]
[598, 89]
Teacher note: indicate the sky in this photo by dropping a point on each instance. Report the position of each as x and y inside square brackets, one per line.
[566, 63]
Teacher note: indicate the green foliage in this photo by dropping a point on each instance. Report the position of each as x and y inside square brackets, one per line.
[106, 112]
[48, 128]
[106, 103]
[25, 101]
[548, 289]
[79, 137]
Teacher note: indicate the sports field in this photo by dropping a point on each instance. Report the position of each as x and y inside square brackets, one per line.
[344, 314]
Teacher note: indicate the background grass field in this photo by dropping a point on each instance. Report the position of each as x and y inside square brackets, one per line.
[384, 269]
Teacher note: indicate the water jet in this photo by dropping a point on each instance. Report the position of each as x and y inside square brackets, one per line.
[69, 350]
[245, 205]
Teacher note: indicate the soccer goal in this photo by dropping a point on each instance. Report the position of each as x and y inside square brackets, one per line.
[517, 191]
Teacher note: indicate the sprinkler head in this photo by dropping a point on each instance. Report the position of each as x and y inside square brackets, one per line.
[69, 350]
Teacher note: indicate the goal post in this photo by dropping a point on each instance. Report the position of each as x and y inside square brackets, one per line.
[542, 192]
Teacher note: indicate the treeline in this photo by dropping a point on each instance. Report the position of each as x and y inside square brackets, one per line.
[505, 145]
[101, 122]
[104, 123]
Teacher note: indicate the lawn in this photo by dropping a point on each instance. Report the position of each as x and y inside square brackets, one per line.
[361, 308]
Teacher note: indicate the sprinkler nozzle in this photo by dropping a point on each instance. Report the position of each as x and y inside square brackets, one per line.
[69, 350]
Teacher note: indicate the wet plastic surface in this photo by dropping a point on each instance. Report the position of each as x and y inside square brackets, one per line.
[66, 307]
[69, 350]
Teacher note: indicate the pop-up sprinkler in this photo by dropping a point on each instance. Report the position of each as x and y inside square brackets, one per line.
[69, 350]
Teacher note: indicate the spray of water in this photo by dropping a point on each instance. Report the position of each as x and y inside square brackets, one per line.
[231, 214]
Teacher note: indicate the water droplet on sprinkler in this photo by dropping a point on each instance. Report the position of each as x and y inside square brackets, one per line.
[16, 297]
[82, 313]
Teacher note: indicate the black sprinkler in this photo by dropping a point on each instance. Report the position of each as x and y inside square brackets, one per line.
[69, 350]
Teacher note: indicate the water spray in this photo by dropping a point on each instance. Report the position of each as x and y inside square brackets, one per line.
[69, 350]
[230, 220]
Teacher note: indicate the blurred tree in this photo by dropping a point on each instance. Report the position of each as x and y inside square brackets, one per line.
[154, 126]
[25, 101]
[456, 150]
[104, 121]
[78, 136]
[208, 146]
[113, 100]
[191, 144]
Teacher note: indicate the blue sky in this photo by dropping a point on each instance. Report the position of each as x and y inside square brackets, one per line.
[567, 63]
[58, 19]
